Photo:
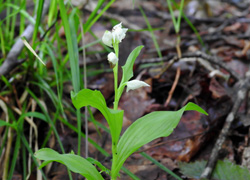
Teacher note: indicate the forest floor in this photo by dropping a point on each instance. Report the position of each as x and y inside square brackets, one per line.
[212, 72]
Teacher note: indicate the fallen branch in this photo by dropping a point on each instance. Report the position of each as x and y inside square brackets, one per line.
[11, 60]
[197, 56]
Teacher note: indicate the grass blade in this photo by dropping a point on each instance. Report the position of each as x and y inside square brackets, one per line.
[179, 17]
[160, 165]
[71, 39]
[73, 54]
[172, 14]
[38, 20]
[26, 144]
[14, 158]
[151, 32]
[32, 50]
[92, 22]
[190, 24]
[93, 13]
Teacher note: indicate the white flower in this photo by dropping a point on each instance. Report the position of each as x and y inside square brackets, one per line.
[107, 38]
[117, 35]
[112, 58]
[135, 84]
[118, 32]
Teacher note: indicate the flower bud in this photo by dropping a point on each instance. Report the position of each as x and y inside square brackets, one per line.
[135, 84]
[112, 58]
[107, 38]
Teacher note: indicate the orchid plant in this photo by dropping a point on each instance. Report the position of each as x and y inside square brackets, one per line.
[142, 131]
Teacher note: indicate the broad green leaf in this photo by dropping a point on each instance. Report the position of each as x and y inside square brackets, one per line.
[127, 69]
[147, 128]
[95, 99]
[224, 170]
[100, 149]
[74, 162]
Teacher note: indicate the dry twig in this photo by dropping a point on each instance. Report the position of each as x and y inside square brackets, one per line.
[171, 92]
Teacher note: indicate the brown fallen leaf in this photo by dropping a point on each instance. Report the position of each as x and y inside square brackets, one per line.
[216, 89]
[232, 28]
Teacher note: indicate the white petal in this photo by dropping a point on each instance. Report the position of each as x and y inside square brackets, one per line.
[118, 33]
[112, 58]
[135, 84]
[117, 27]
[107, 38]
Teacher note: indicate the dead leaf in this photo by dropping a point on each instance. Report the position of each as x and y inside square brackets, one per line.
[233, 28]
[216, 89]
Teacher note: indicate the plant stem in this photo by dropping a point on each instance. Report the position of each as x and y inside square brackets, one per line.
[115, 70]
[114, 160]
[178, 49]
[116, 101]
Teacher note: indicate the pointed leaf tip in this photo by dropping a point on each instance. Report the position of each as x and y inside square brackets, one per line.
[194, 107]
[149, 127]
[74, 162]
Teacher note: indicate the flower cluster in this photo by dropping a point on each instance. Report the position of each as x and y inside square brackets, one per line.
[114, 38]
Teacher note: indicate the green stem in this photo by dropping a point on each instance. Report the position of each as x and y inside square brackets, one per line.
[114, 160]
[116, 101]
[115, 70]
[120, 90]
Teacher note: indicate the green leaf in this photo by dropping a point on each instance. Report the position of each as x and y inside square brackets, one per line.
[91, 21]
[147, 128]
[74, 162]
[127, 69]
[224, 170]
[93, 14]
[39, 12]
[95, 162]
[157, 47]
[95, 99]
[4, 123]
[23, 13]
[14, 157]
